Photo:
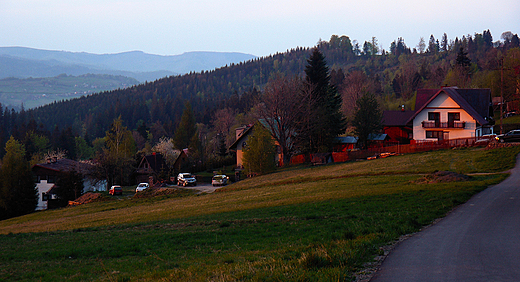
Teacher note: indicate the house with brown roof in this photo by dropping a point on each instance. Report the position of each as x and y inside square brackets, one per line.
[47, 173]
[443, 114]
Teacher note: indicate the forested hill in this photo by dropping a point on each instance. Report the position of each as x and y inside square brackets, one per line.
[393, 75]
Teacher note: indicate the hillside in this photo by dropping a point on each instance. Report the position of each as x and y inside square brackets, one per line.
[23, 62]
[35, 92]
[319, 223]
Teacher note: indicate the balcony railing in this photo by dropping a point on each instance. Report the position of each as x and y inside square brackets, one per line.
[437, 124]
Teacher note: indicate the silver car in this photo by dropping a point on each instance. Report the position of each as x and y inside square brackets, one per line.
[219, 180]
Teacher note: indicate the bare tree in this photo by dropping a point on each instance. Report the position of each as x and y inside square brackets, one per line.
[282, 110]
[356, 83]
[223, 122]
[421, 46]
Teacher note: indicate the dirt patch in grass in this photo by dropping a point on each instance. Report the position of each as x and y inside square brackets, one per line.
[155, 192]
[90, 197]
[442, 177]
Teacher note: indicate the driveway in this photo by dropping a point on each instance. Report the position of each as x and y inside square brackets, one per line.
[203, 188]
[479, 241]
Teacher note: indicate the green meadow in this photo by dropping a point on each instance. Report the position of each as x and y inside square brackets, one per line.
[299, 224]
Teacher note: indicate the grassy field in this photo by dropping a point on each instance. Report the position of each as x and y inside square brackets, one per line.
[300, 224]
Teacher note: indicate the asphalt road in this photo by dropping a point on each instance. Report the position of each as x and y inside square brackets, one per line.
[479, 241]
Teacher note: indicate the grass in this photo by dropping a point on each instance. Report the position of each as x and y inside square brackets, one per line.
[305, 224]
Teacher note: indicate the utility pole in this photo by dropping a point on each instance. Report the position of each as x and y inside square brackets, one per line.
[501, 94]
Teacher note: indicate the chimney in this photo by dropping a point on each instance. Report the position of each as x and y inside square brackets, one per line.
[49, 160]
[239, 131]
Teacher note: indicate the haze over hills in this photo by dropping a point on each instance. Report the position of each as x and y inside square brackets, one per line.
[24, 62]
[25, 72]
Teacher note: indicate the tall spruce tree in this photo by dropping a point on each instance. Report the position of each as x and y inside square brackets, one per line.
[328, 121]
[187, 128]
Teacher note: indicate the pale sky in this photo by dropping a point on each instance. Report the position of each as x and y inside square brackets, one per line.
[261, 28]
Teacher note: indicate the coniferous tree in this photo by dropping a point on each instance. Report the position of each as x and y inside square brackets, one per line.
[69, 187]
[186, 129]
[18, 193]
[328, 120]
[367, 119]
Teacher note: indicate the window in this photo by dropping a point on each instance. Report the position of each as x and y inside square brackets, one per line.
[434, 116]
[434, 134]
[453, 116]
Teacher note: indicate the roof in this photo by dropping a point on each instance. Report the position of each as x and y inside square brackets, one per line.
[156, 161]
[345, 140]
[354, 140]
[377, 137]
[396, 118]
[475, 102]
[242, 135]
[65, 165]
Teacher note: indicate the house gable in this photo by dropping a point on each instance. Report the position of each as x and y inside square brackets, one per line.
[451, 113]
[241, 142]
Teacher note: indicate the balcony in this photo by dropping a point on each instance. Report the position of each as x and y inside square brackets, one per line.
[437, 124]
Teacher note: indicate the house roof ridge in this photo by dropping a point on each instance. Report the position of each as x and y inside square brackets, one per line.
[453, 93]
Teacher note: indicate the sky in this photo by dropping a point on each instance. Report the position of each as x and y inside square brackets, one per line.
[261, 28]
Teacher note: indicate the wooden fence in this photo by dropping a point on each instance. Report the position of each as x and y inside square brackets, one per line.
[417, 146]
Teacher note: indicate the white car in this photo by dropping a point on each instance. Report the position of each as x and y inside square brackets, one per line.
[141, 187]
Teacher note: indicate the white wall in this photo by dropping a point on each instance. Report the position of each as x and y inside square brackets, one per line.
[43, 187]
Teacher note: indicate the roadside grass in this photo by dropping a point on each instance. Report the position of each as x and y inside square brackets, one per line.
[302, 227]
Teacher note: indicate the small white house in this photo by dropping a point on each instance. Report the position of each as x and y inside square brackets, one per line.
[452, 113]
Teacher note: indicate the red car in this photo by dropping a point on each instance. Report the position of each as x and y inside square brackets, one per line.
[115, 190]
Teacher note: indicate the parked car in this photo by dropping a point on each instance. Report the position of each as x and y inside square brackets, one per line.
[141, 187]
[219, 180]
[509, 114]
[511, 136]
[186, 179]
[115, 190]
[484, 139]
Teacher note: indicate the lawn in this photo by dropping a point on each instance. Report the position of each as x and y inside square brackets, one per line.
[299, 224]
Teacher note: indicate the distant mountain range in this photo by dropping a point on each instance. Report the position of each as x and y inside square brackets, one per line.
[33, 77]
[21, 62]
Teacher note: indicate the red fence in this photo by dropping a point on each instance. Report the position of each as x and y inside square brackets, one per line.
[417, 146]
